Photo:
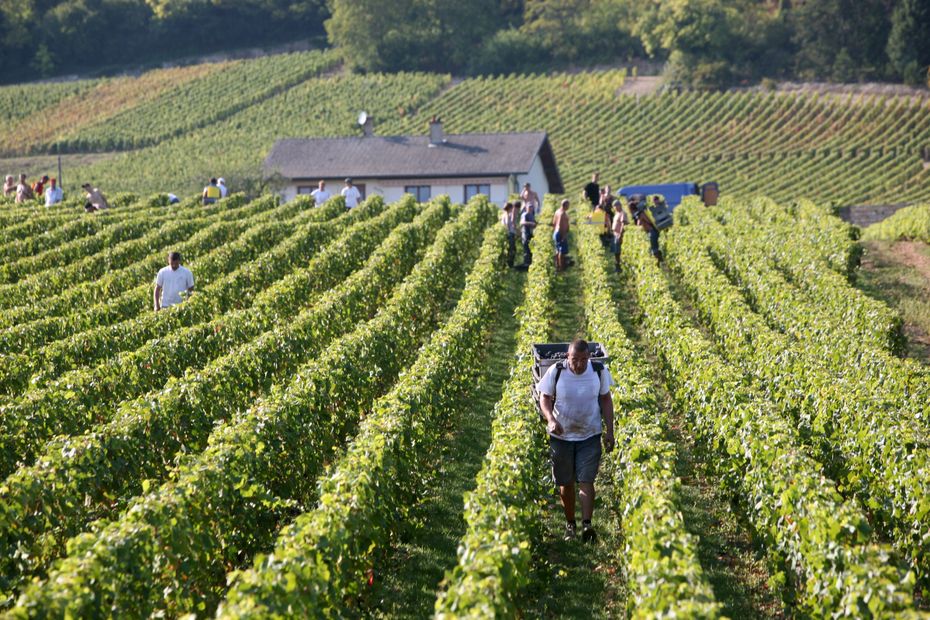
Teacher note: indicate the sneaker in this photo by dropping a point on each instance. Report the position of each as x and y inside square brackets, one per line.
[569, 531]
[588, 534]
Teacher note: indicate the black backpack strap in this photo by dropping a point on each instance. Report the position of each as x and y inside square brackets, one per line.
[560, 366]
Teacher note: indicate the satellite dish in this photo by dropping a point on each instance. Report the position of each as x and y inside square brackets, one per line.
[362, 118]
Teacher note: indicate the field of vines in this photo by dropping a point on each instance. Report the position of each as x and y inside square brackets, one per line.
[286, 441]
[169, 129]
[337, 421]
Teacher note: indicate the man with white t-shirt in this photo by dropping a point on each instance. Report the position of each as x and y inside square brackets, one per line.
[575, 394]
[351, 194]
[171, 281]
[320, 194]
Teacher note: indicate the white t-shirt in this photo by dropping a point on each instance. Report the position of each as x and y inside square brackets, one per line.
[53, 196]
[173, 283]
[351, 195]
[577, 404]
[223, 191]
[322, 195]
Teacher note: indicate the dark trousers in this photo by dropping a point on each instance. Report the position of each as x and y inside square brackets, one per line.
[527, 255]
[511, 248]
[654, 241]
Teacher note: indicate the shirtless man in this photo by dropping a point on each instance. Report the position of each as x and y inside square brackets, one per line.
[530, 197]
[560, 235]
[23, 190]
[617, 228]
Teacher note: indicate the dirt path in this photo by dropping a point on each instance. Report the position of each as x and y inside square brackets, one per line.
[914, 254]
[640, 85]
[572, 579]
[899, 274]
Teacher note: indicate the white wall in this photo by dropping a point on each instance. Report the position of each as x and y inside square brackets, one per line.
[536, 177]
[393, 189]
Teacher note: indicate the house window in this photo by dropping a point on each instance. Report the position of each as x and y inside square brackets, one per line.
[474, 190]
[420, 192]
[305, 189]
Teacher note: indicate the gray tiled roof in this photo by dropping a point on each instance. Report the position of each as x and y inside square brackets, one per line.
[411, 156]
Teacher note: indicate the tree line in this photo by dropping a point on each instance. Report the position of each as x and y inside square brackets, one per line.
[702, 43]
[48, 38]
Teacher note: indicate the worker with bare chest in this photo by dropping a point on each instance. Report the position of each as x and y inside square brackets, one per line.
[560, 235]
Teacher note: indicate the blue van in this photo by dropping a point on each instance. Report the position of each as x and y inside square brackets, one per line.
[674, 192]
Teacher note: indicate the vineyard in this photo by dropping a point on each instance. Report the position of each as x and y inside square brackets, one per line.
[169, 130]
[337, 421]
[269, 447]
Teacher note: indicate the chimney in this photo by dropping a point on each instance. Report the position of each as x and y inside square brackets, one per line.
[368, 127]
[435, 132]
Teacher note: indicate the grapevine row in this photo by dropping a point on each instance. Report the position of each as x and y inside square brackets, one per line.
[502, 515]
[146, 433]
[177, 542]
[321, 559]
[659, 559]
[819, 543]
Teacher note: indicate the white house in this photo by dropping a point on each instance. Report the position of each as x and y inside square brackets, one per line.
[460, 166]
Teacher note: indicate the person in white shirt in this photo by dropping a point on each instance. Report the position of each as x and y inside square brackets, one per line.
[53, 195]
[171, 281]
[574, 396]
[351, 194]
[221, 183]
[321, 194]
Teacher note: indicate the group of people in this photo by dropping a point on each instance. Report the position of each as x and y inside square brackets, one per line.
[350, 193]
[44, 188]
[607, 210]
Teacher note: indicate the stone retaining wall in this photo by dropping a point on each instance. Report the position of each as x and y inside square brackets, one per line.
[864, 215]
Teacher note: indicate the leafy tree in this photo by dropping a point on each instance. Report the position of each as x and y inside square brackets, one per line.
[390, 35]
[44, 62]
[586, 31]
[824, 28]
[909, 41]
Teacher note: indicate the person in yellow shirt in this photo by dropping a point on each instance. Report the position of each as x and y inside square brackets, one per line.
[211, 193]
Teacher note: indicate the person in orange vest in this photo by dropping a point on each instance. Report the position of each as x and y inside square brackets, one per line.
[38, 188]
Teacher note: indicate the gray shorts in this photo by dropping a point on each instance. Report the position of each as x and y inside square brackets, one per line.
[574, 460]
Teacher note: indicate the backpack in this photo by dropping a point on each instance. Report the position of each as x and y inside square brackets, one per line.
[560, 366]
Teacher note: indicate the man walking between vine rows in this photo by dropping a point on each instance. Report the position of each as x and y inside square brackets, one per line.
[574, 396]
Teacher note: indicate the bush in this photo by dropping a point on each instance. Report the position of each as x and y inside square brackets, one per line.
[510, 51]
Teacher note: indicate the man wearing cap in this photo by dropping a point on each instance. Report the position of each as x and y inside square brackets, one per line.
[221, 183]
[95, 200]
[351, 194]
[171, 281]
